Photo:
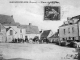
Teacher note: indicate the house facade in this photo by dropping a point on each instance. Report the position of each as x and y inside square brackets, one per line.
[10, 34]
[70, 30]
[28, 31]
[54, 37]
[21, 31]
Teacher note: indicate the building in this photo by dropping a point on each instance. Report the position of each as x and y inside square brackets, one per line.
[54, 37]
[21, 31]
[28, 31]
[17, 30]
[2, 33]
[70, 30]
[10, 34]
[6, 19]
[46, 34]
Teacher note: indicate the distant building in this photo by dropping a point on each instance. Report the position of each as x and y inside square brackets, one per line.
[54, 37]
[70, 30]
[46, 34]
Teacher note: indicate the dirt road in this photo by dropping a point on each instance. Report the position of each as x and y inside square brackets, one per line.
[26, 51]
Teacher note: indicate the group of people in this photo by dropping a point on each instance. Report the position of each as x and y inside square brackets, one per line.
[35, 39]
[20, 40]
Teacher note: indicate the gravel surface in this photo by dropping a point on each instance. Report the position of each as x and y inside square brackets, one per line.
[25, 51]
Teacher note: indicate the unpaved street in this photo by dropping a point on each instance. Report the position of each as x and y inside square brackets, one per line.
[35, 51]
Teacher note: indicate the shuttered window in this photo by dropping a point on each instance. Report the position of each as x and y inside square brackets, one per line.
[68, 30]
[11, 32]
[64, 31]
[72, 29]
[20, 30]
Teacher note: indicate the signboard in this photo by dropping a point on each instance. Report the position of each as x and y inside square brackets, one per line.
[52, 13]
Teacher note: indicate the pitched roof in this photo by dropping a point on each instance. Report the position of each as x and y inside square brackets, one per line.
[78, 16]
[72, 21]
[13, 24]
[8, 28]
[6, 19]
[45, 33]
[30, 29]
[22, 26]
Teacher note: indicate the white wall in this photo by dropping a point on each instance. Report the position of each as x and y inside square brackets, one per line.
[32, 35]
[10, 37]
[18, 35]
[2, 33]
[16, 30]
[71, 34]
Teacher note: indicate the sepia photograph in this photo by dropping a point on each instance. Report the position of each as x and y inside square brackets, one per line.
[39, 29]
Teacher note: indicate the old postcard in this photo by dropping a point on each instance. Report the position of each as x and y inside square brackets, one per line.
[39, 29]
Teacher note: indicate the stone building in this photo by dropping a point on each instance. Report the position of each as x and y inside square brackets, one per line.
[70, 30]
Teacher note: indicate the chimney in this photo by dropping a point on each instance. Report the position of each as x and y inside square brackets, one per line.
[30, 24]
[12, 16]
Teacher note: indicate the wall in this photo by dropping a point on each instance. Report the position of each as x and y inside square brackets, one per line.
[32, 35]
[10, 37]
[67, 34]
[23, 34]
[17, 31]
[2, 33]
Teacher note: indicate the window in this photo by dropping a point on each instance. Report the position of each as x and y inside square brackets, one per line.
[72, 29]
[73, 38]
[63, 39]
[64, 31]
[27, 31]
[11, 32]
[68, 30]
[20, 30]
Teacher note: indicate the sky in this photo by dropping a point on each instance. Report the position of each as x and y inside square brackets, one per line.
[26, 13]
